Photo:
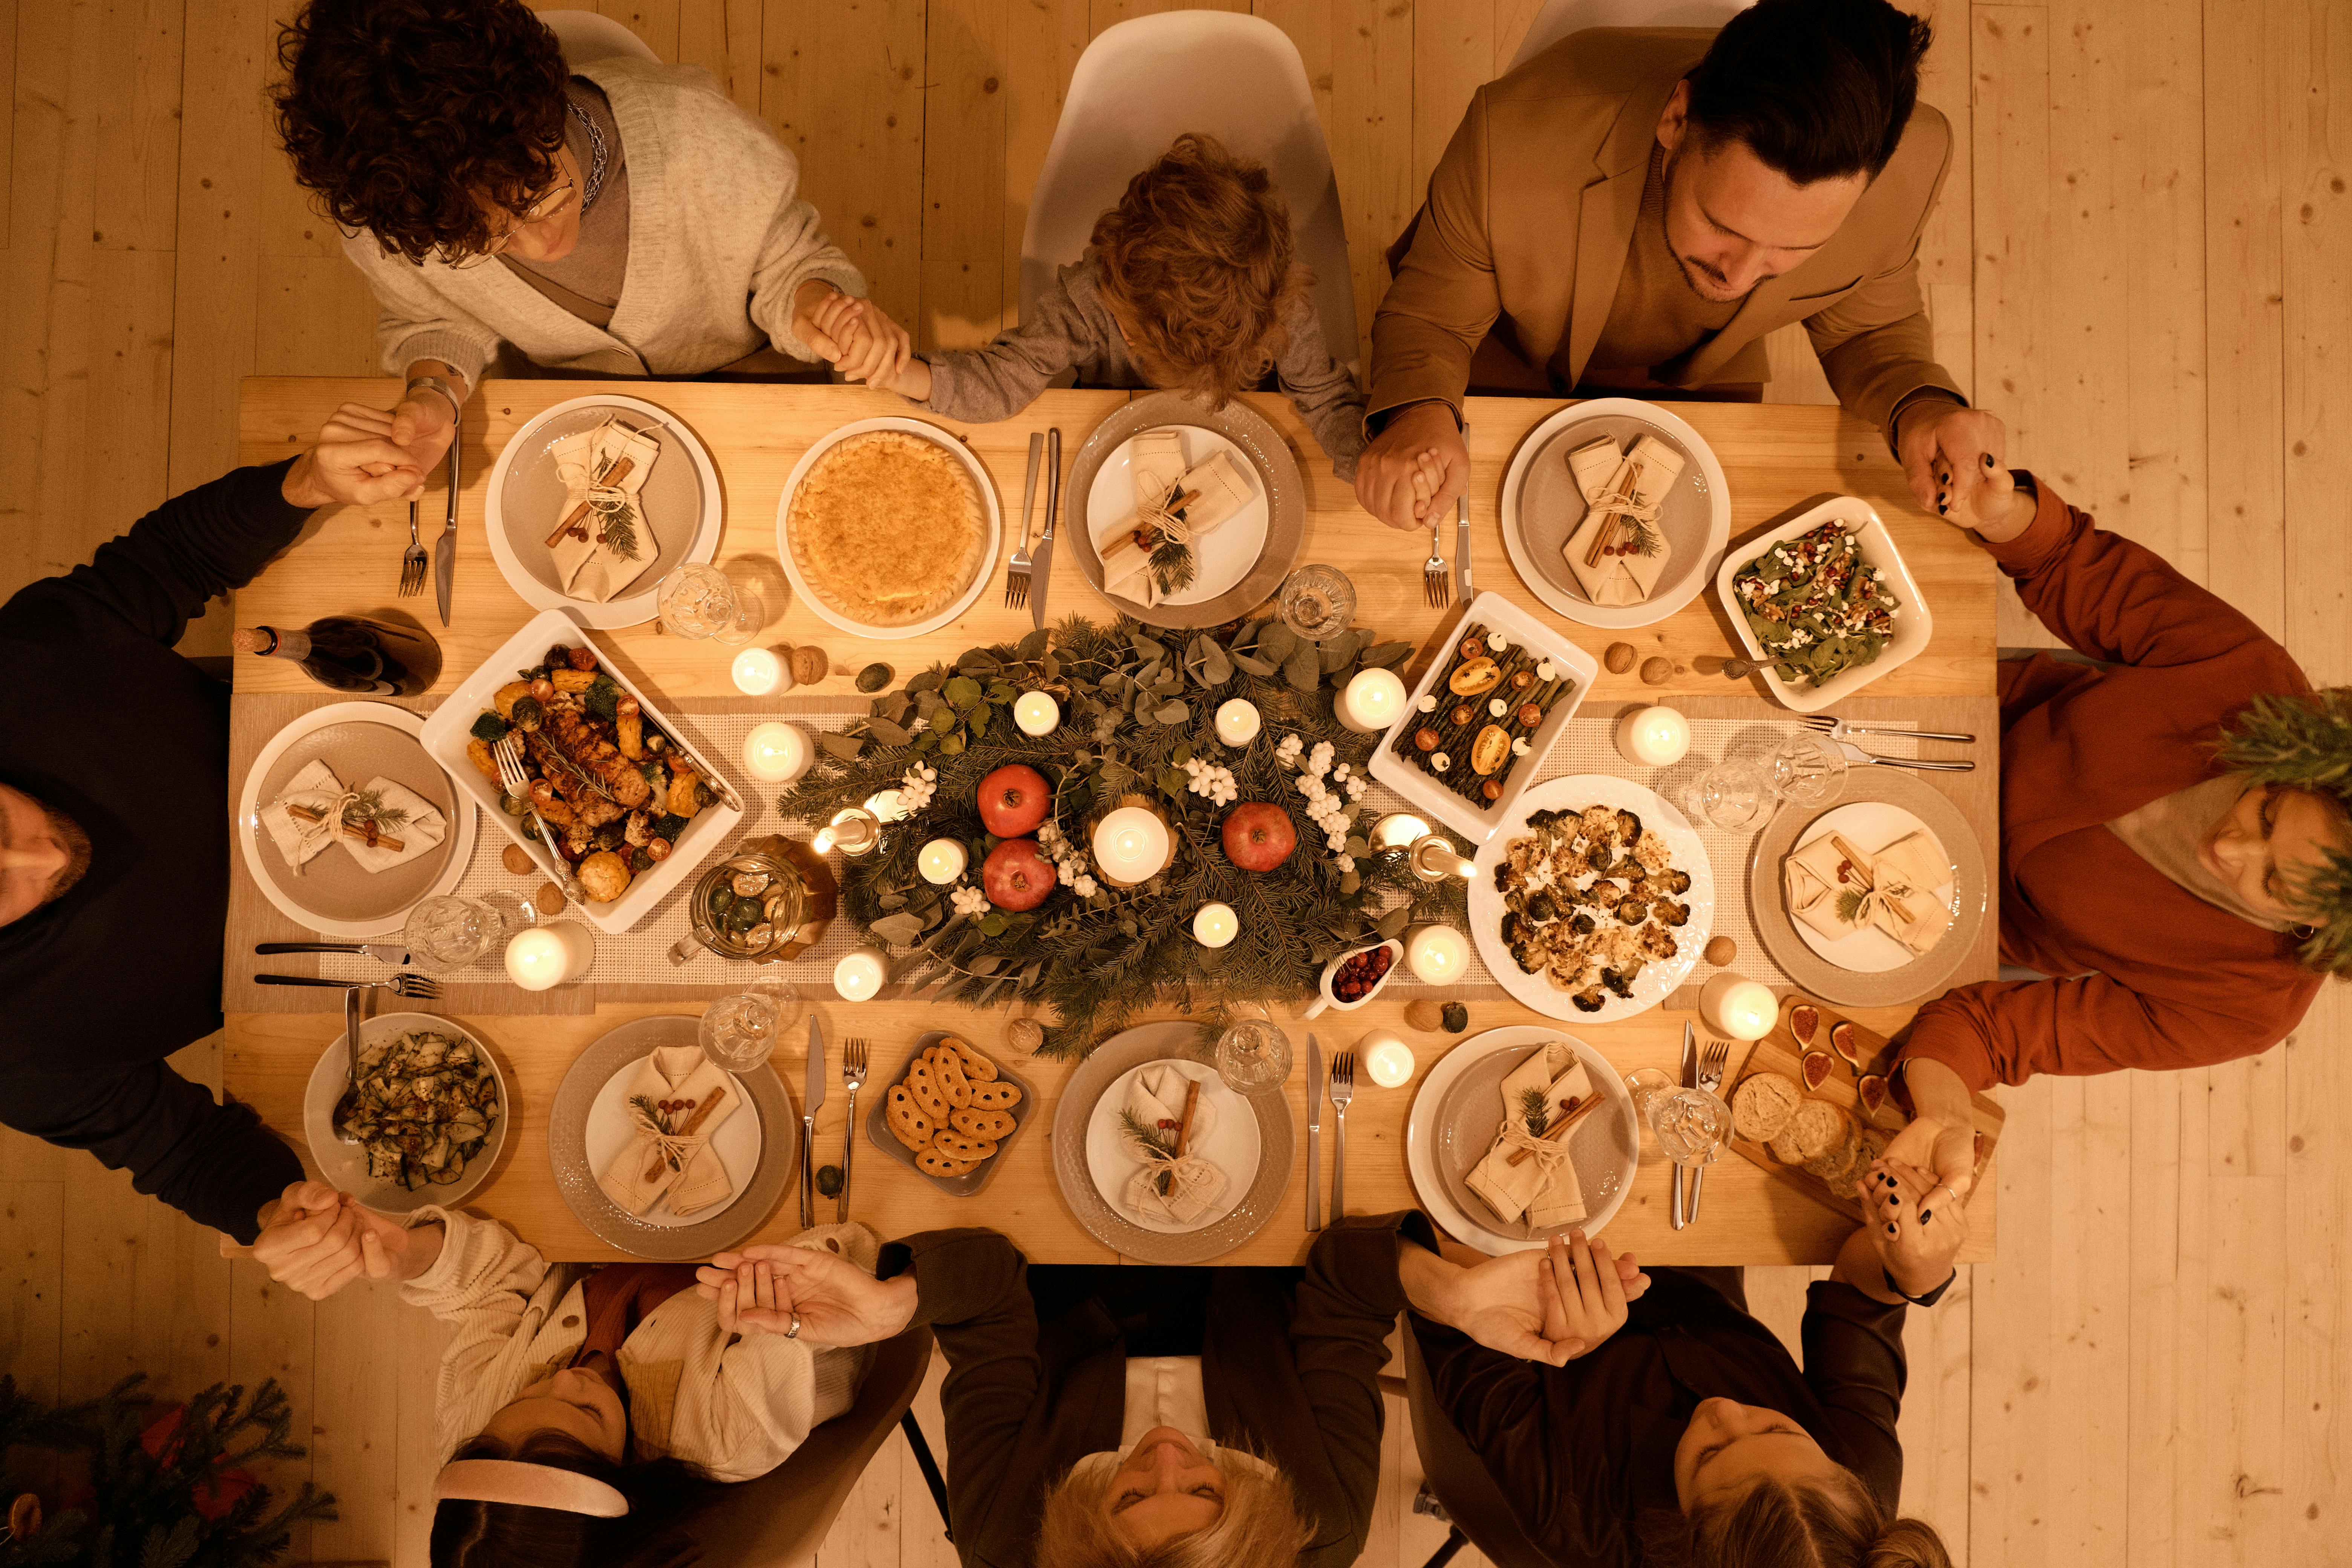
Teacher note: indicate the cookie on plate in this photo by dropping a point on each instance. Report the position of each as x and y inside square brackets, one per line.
[1002, 1094]
[931, 1096]
[932, 1162]
[1762, 1105]
[992, 1126]
[946, 1071]
[907, 1122]
[977, 1068]
[959, 1146]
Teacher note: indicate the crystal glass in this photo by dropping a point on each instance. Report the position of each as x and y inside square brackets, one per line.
[1735, 794]
[701, 602]
[1692, 1127]
[1253, 1057]
[1317, 601]
[1806, 768]
[449, 934]
[739, 1032]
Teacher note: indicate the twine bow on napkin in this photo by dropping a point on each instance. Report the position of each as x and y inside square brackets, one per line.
[1192, 1185]
[677, 1099]
[1838, 890]
[1165, 1119]
[1617, 555]
[381, 822]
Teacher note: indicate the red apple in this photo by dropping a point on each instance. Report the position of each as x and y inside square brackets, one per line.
[1013, 799]
[1258, 837]
[1016, 875]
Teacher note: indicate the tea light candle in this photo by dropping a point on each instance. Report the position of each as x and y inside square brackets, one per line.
[859, 975]
[1037, 713]
[1398, 830]
[1237, 722]
[776, 752]
[852, 831]
[1388, 1059]
[1437, 954]
[1653, 737]
[941, 861]
[885, 805]
[1215, 924]
[758, 672]
[1132, 845]
[550, 954]
[1372, 701]
[1736, 1006]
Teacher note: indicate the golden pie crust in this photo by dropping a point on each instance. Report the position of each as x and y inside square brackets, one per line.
[887, 529]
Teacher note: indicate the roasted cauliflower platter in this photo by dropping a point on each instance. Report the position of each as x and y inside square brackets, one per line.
[1591, 898]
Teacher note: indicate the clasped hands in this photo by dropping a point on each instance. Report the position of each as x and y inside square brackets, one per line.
[316, 1239]
[1549, 1305]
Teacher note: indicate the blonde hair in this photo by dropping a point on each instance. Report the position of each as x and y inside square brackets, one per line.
[1259, 1526]
[1197, 265]
[1773, 1524]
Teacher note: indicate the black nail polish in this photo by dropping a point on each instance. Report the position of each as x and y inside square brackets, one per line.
[1891, 1230]
[1895, 1200]
[1926, 1215]
[1987, 457]
[1943, 511]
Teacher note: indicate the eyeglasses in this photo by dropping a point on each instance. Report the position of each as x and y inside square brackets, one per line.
[552, 204]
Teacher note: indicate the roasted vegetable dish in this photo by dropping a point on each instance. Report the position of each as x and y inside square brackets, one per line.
[424, 1105]
[1473, 728]
[1818, 608]
[616, 790]
[1590, 898]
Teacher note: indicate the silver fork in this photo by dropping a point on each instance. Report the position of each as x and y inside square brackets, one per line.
[1343, 1089]
[1016, 570]
[413, 561]
[508, 755]
[1710, 1077]
[1837, 729]
[1436, 587]
[415, 987]
[1462, 529]
[853, 1079]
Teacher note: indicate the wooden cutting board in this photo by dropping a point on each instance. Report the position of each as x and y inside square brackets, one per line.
[1781, 1052]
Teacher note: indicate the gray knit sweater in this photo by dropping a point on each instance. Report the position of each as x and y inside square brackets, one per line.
[1073, 327]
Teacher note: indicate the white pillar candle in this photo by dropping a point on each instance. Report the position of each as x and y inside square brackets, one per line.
[852, 831]
[859, 975]
[1132, 845]
[941, 861]
[1437, 954]
[1237, 722]
[758, 672]
[1653, 737]
[1037, 713]
[885, 805]
[1215, 924]
[550, 954]
[776, 752]
[1374, 700]
[1388, 1059]
[1736, 1006]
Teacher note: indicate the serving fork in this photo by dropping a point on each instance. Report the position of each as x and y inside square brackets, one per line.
[1710, 1077]
[1343, 1089]
[1838, 729]
[515, 781]
[414, 560]
[1016, 570]
[853, 1079]
[415, 987]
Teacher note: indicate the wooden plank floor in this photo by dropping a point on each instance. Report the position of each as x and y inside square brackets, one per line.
[2143, 261]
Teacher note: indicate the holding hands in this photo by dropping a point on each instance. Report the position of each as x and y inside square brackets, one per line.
[1916, 1222]
[360, 458]
[818, 1298]
[864, 343]
[316, 1239]
[1411, 473]
[1947, 451]
[1550, 1306]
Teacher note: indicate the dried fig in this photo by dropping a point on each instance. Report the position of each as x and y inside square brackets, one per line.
[1803, 1021]
[1818, 1066]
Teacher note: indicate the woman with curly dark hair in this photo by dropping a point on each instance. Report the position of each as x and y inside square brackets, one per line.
[628, 218]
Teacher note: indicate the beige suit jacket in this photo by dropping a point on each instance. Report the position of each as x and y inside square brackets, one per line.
[1532, 211]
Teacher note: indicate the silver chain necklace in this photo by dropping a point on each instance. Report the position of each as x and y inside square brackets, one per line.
[596, 154]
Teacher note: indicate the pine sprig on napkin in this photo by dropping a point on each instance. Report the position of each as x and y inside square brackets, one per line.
[367, 808]
[618, 520]
[1535, 1110]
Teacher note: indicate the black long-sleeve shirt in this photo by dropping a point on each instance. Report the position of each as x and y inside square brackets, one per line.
[101, 721]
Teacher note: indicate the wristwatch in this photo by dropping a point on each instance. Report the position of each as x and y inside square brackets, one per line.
[435, 384]
[1929, 1300]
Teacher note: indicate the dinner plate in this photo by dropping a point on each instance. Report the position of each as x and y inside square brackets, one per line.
[1456, 1112]
[1249, 434]
[345, 1165]
[1575, 792]
[777, 1163]
[1869, 825]
[1868, 792]
[878, 1120]
[334, 895]
[1542, 508]
[610, 1130]
[1232, 1145]
[1229, 552]
[1260, 1191]
[681, 501]
[993, 527]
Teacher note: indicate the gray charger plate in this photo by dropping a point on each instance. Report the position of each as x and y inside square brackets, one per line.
[331, 885]
[567, 1148]
[1551, 508]
[877, 1122]
[671, 501]
[1604, 1148]
[1082, 1096]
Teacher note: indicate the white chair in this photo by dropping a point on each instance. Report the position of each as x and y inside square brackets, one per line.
[1143, 83]
[584, 35]
[1558, 18]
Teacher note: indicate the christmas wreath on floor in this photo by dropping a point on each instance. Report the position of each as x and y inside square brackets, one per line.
[1138, 719]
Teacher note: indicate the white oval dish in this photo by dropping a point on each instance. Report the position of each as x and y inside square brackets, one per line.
[1915, 625]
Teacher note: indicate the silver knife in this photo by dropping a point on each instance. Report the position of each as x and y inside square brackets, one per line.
[445, 548]
[1314, 1130]
[812, 1096]
[1462, 535]
[1855, 753]
[1044, 560]
[1677, 1219]
[383, 952]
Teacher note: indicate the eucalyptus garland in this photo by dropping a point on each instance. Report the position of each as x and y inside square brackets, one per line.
[1137, 706]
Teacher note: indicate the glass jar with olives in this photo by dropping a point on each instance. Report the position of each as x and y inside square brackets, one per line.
[769, 902]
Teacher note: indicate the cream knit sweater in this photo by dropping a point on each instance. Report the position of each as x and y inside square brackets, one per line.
[737, 1409]
[720, 240]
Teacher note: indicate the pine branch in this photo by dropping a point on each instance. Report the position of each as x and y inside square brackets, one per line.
[1849, 906]
[1535, 1110]
[619, 519]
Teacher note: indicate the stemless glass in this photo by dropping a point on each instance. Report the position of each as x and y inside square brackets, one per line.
[1317, 601]
[739, 1032]
[1253, 1057]
[1806, 768]
[1735, 794]
[1692, 1127]
[701, 602]
[448, 932]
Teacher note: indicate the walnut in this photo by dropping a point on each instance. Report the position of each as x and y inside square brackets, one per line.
[1425, 1015]
[1619, 658]
[810, 665]
[518, 859]
[1657, 670]
[1721, 950]
[1024, 1034]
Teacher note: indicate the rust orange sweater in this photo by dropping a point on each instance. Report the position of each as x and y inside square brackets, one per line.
[2180, 982]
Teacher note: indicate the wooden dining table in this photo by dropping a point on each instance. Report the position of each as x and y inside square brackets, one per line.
[1777, 460]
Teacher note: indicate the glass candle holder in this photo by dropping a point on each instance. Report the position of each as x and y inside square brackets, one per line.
[1253, 1057]
[699, 601]
[1317, 601]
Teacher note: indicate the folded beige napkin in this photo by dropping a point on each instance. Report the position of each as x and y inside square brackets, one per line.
[1155, 1103]
[1542, 1187]
[612, 546]
[1593, 466]
[317, 791]
[406, 824]
[670, 1152]
[1892, 889]
[1127, 557]
[1626, 514]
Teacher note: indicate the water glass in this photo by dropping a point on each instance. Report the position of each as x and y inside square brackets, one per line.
[1692, 1127]
[1317, 601]
[739, 1032]
[1734, 795]
[701, 602]
[1253, 1057]
[1806, 768]
[448, 932]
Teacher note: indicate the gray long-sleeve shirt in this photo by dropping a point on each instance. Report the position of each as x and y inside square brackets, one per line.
[1072, 327]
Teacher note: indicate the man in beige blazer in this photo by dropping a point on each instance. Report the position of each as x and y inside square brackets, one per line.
[1634, 209]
